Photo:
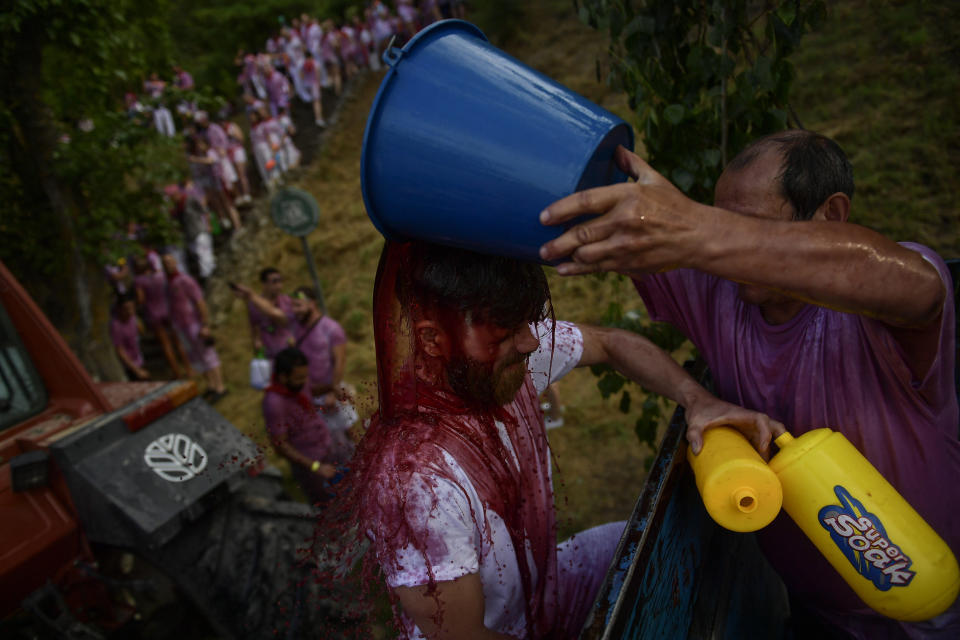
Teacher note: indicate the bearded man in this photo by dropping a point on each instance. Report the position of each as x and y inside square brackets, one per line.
[452, 479]
[296, 429]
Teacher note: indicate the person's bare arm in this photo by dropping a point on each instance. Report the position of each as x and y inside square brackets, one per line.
[650, 366]
[285, 449]
[650, 226]
[452, 611]
[202, 310]
[272, 311]
[140, 372]
[255, 335]
[339, 363]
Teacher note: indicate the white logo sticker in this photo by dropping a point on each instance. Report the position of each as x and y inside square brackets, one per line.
[175, 457]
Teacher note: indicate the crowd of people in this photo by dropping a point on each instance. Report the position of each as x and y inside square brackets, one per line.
[300, 61]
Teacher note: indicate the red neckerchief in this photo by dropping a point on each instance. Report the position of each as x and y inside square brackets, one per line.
[282, 390]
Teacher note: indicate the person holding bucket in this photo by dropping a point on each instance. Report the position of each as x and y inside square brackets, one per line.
[453, 473]
[803, 315]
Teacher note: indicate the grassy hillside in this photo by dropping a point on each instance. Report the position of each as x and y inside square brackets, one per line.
[882, 78]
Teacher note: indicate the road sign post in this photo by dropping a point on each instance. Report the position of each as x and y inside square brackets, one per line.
[295, 211]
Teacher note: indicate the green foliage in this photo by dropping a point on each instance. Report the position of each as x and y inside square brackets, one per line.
[123, 186]
[705, 78]
[499, 19]
[610, 382]
[90, 54]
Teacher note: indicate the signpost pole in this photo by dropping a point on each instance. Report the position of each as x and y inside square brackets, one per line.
[312, 265]
[295, 211]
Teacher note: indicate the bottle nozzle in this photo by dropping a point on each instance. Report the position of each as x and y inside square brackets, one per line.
[783, 439]
[744, 500]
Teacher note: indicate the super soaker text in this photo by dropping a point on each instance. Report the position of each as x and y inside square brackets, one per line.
[862, 539]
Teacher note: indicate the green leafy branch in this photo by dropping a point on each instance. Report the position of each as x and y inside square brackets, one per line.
[704, 78]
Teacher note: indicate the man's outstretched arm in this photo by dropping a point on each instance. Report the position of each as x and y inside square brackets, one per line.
[272, 311]
[452, 610]
[649, 226]
[650, 366]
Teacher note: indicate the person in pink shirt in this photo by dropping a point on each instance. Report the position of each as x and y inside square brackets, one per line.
[262, 155]
[305, 21]
[251, 78]
[237, 154]
[290, 154]
[804, 315]
[207, 168]
[324, 342]
[150, 286]
[296, 430]
[270, 313]
[278, 91]
[330, 55]
[182, 79]
[293, 55]
[271, 46]
[190, 318]
[313, 36]
[364, 39]
[311, 82]
[409, 16]
[125, 335]
[349, 49]
[380, 33]
[162, 118]
[222, 150]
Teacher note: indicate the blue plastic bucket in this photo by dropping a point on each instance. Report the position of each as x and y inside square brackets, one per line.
[465, 145]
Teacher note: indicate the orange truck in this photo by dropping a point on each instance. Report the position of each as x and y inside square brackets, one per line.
[136, 509]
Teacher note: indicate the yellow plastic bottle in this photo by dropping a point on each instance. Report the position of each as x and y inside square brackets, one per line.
[885, 551]
[738, 489]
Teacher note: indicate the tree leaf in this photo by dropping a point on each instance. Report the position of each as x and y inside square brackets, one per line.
[610, 383]
[625, 402]
[682, 178]
[674, 113]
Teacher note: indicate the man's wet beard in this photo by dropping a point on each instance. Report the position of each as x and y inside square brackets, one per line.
[478, 386]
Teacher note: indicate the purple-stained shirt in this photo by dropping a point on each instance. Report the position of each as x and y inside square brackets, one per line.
[825, 368]
[275, 338]
[126, 337]
[217, 137]
[305, 429]
[407, 12]
[154, 88]
[278, 89]
[154, 287]
[183, 292]
[317, 343]
[313, 37]
[184, 80]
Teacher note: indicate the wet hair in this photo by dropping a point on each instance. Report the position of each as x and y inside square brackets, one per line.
[266, 273]
[287, 360]
[814, 168]
[504, 291]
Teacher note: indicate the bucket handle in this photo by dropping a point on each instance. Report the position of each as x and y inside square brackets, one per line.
[392, 54]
